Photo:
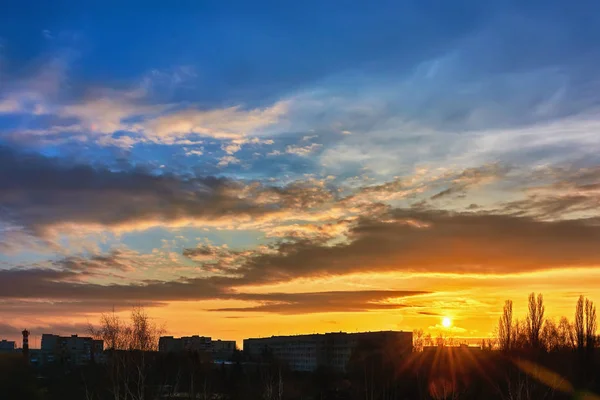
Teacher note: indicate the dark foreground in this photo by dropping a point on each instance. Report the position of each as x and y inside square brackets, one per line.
[443, 373]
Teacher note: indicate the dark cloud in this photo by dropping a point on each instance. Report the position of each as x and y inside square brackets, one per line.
[85, 298]
[15, 308]
[429, 313]
[570, 191]
[554, 206]
[443, 193]
[39, 193]
[34, 283]
[97, 263]
[341, 301]
[401, 240]
[434, 241]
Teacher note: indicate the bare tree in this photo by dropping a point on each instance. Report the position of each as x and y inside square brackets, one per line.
[140, 333]
[535, 319]
[549, 336]
[128, 341]
[144, 333]
[566, 336]
[505, 326]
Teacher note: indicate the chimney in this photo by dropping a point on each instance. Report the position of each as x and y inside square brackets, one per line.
[26, 343]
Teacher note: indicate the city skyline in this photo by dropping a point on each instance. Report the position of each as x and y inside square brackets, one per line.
[248, 170]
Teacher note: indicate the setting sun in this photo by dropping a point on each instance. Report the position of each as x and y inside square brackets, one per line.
[446, 322]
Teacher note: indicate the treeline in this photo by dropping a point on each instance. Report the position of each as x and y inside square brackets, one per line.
[537, 332]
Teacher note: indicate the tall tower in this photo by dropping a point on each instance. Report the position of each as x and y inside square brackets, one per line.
[26, 343]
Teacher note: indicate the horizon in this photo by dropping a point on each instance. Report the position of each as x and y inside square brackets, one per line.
[254, 169]
[36, 338]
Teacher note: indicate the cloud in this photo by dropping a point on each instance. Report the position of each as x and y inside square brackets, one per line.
[310, 231]
[106, 111]
[229, 123]
[567, 192]
[23, 309]
[303, 150]
[226, 160]
[235, 145]
[8, 330]
[341, 301]
[195, 152]
[99, 264]
[445, 330]
[402, 240]
[122, 117]
[21, 289]
[41, 194]
[65, 285]
[472, 177]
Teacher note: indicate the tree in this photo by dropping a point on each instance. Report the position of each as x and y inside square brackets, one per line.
[585, 324]
[590, 324]
[140, 333]
[428, 341]
[505, 326]
[418, 340]
[549, 336]
[128, 343]
[535, 319]
[579, 324]
[440, 340]
[519, 334]
[566, 336]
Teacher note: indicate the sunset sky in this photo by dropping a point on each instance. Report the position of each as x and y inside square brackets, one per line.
[250, 168]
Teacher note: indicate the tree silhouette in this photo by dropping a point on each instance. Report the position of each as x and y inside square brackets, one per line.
[505, 326]
[128, 343]
[535, 319]
[590, 324]
[579, 325]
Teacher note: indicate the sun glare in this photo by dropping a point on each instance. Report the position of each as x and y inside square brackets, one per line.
[446, 322]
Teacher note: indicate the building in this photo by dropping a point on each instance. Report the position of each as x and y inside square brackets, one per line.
[220, 349]
[331, 350]
[7, 346]
[72, 349]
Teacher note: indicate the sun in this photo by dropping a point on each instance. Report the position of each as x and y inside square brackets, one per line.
[446, 322]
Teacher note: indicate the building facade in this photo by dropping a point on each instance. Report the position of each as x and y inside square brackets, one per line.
[220, 349]
[7, 346]
[73, 349]
[331, 350]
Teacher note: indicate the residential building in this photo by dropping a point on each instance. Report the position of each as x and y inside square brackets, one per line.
[73, 349]
[220, 349]
[7, 346]
[331, 350]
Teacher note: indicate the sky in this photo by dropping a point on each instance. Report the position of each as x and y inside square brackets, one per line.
[246, 169]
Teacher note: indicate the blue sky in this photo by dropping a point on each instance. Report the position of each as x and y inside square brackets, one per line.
[188, 141]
